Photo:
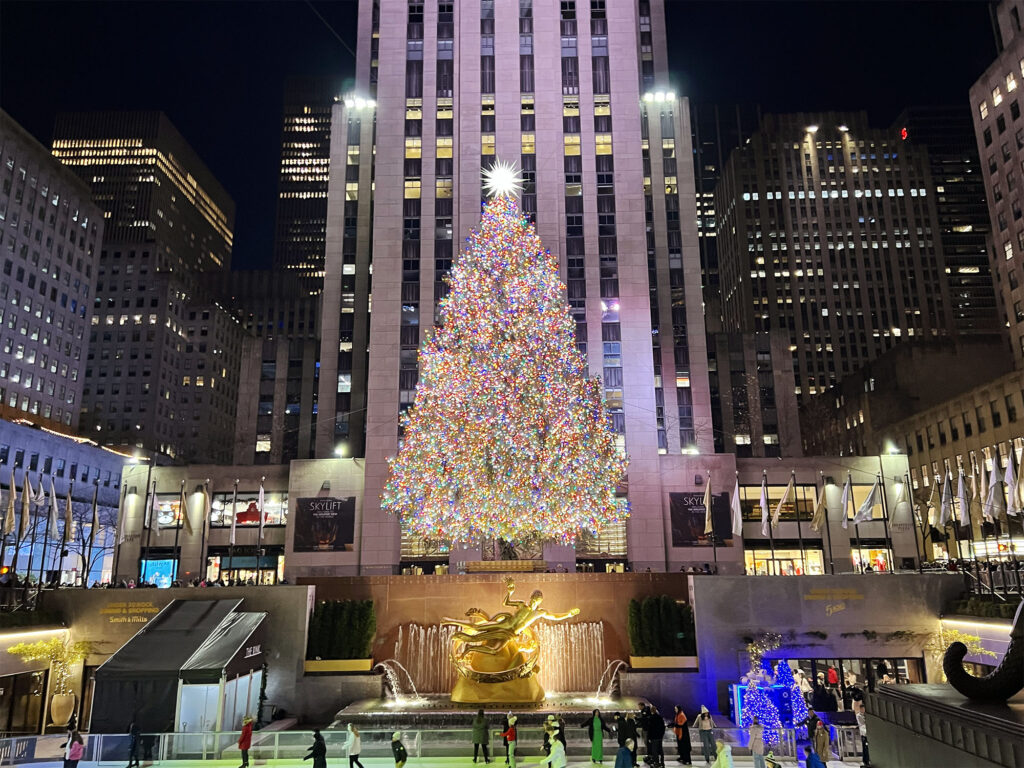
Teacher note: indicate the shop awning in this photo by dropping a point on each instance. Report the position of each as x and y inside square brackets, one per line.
[168, 641]
[234, 647]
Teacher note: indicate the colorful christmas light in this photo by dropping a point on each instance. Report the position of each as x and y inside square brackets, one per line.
[756, 703]
[508, 437]
[784, 677]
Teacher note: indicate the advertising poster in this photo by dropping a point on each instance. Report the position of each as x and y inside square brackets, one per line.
[325, 524]
[687, 515]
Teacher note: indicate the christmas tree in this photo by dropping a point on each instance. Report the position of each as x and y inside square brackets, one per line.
[756, 703]
[784, 677]
[508, 437]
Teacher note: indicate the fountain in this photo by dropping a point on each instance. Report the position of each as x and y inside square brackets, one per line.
[391, 669]
[611, 672]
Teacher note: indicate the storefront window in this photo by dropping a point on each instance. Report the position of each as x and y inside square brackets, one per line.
[785, 562]
[246, 568]
[158, 571]
[275, 509]
[874, 556]
[801, 500]
[168, 510]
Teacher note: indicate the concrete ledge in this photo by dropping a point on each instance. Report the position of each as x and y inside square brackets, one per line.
[663, 662]
[337, 666]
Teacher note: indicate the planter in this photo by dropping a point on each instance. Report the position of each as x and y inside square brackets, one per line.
[337, 666]
[62, 706]
[663, 662]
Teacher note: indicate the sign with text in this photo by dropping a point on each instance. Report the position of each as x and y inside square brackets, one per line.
[687, 514]
[325, 524]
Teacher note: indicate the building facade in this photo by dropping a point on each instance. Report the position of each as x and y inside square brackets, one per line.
[300, 237]
[959, 188]
[813, 210]
[50, 239]
[162, 374]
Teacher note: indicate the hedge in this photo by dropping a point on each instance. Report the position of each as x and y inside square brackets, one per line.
[341, 629]
[661, 626]
[984, 608]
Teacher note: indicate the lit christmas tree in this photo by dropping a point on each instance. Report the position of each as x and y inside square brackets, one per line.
[508, 437]
[784, 677]
[756, 703]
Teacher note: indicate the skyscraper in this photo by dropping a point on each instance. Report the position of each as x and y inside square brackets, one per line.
[999, 132]
[162, 373]
[948, 136]
[50, 236]
[590, 117]
[301, 223]
[827, 230]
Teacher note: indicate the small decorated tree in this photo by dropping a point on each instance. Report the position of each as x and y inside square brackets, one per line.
[757, 703]
[784, 677]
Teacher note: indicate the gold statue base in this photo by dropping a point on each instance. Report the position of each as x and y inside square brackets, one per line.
[522, 690]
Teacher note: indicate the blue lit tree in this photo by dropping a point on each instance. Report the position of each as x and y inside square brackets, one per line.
[757, 703]
[784, 677]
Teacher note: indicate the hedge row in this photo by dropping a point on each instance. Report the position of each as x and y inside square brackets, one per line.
[341, 629]
[661, 626]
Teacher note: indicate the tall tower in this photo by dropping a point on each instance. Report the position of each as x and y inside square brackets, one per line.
[591, 118]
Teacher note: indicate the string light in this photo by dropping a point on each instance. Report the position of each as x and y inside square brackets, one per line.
[508, 437]
[764, 643]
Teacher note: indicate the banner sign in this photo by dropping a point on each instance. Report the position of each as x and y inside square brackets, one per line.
[687, 514]
[325, 524]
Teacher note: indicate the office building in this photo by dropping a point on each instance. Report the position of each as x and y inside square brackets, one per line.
[432, 92]
[301, 222]
[162, 373]
[828, 230]
[50, 237]
[280, 365]
[959, 188]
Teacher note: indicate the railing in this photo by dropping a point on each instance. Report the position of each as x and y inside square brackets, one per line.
[293, 745]
[1001, 581]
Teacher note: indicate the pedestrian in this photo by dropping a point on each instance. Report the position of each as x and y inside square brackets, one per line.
[548, 731]
[245, 741]
[683, 746]
[723, 756]
[813, 761]
[631, 733]
[353, 747]
[624, 757]
[822, 743]
[74, 748]
[655, 738]
[596, 729]
[705, 729]
[756, 743]
[502, 732]
[509, 736]
[556, 758]
[481, 736]
[133, 744]
[398, 749]
[318, 751]
[862, 725]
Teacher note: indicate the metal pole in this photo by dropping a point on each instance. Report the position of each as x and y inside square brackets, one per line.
[46, 541]
[32, 546]
[799, 530]
[234, 526]
[17, 533]
[92, 528]
[149, 530]
[177, 534]
[207, 501]
[856, 527]
[771, 533]
[828, 531]
[119, 531]
[913, 524]
[885, 521]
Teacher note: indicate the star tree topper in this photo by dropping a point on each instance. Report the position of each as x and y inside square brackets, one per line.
[502, 179]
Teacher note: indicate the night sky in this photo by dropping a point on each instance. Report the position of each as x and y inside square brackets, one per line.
[218, 68]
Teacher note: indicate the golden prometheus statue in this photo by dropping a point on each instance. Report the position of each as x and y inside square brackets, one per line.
[497, 656]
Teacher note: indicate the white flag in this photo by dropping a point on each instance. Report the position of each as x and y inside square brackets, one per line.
[931, 501]
[69, 522]
[764, 506]
[785, 498]
[868, 507]
[234, 512]
[1010, 478]
[963, 498]
[12, 491]
[820, 511]
[150, 506]
[946, 501]
[262, 500]
[121, 511]
[186, 522]
[737, 511]
[995, 503]
[207, 505]
[709, 527]
[40, 496]
[51, 528]
[845, 503]
[26, 501]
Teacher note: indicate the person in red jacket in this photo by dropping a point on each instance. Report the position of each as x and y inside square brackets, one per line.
[245, 740]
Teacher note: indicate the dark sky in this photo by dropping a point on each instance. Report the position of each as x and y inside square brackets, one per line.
[218, 68]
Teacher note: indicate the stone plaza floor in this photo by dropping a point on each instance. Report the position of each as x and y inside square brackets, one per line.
[380, 762]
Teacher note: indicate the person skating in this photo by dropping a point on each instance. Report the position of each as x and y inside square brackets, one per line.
[682, 732]
[723, 756]
[74, 748]
[245, 741]
[862, 726]
[481, 736]
[813, 761]
[318, 751]
[596, 729]
[655, 732]
[556, 758]
[822, 742]
[133, 744]
[398, 749]
[705, 729]
[502, 732]
[756, 743]
[624, 757]
[510, 737]
[353, 747]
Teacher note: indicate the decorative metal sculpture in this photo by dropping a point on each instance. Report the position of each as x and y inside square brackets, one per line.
[497, 656]
[1001, 683]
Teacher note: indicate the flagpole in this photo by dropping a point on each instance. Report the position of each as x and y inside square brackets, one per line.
[913, 525]
[207, 503]
[885, 520]
[46, 541]
[771, 534]
[145, 514]
[93, 526]
[710, 510]
[828, 530]
[119, 532]
[856, 526]
[177, 533]
[234, 518]
[1009, 535]
[32, 546]
[799, 530]
[17, 534]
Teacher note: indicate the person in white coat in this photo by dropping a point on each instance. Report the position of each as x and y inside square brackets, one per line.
[556, 758]
[353, 746]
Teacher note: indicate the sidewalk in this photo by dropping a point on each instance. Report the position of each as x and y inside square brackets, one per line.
[338, 761]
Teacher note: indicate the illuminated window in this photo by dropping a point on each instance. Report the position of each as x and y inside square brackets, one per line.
[1008, 250]
[529, 146]
[444, 146]
[413, 147]
[443, 188]
[572, 145]
[983, 108]
[1011, 83]
[604, 143]
[262, 444]
[412, 189]
[352, 190]
[997, 97]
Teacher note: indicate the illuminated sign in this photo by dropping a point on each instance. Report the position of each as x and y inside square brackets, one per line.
[903, 133]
